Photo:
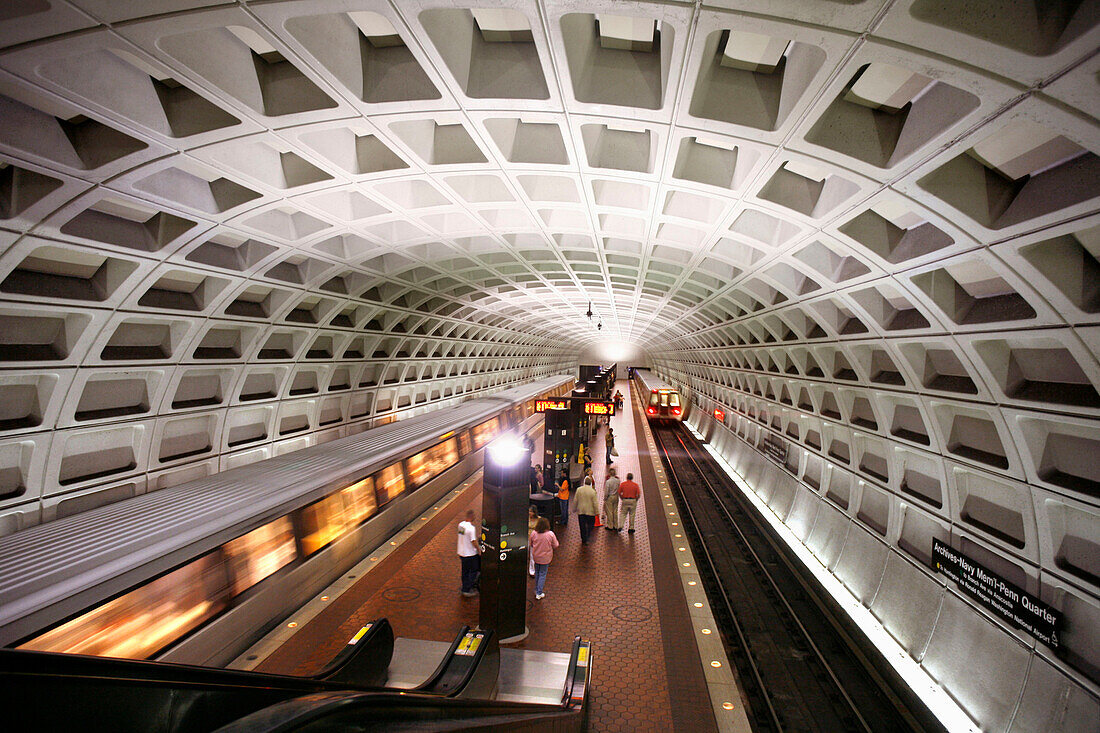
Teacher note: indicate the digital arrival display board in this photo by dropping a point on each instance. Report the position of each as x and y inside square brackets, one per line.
[1009, 601]
[599, 408]
[591, 407]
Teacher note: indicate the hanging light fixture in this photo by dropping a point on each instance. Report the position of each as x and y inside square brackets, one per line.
[589, 313]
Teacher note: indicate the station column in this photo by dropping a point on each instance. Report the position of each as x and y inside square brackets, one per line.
[505, 498]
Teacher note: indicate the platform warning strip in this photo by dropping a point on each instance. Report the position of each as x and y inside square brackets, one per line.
[721, 680]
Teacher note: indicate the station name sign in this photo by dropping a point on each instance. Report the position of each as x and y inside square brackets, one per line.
[1009, 601]
[590, 407]
[775, 448]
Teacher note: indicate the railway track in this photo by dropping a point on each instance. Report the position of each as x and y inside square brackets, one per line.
[795, 668]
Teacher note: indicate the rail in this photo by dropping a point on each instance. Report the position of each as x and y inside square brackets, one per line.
[760, 653]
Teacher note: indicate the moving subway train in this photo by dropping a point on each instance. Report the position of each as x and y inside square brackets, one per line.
[663, 402]
[195, 573]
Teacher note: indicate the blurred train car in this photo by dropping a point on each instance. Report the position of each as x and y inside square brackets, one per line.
[663, 402]
[198, 572]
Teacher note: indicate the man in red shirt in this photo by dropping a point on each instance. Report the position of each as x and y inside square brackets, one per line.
[629, 493]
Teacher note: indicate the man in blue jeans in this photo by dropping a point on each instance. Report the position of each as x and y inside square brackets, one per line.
[469, 552]
[563, 498]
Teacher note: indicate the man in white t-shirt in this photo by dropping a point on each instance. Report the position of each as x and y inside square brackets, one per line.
[469, 552]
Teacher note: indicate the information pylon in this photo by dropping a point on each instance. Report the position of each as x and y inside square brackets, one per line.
[505, 498]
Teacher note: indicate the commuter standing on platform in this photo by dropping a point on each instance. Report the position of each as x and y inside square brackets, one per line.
[611, 500]
[588, 506]
[563, 498]
[609, 443]
[629, 493]
[532, 520]
[542, 543]
[533, 478]
[469, 552]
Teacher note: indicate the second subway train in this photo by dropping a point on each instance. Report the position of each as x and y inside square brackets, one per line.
[196, 573]
[663, 402]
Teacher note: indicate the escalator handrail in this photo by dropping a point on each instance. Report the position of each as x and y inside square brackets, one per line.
[483, 649]
[53, 664]
[579, 674]
[374, 634]
[434, 677]
[290, 715]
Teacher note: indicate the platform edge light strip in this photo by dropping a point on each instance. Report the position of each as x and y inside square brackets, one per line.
[941, 705]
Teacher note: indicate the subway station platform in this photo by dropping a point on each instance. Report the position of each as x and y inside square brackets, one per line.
[624, 592]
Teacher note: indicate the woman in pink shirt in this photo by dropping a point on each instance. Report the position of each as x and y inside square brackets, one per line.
[541, 545]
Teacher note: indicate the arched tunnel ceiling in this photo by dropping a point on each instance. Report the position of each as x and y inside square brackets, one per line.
[227, 224]
[677, 166]
[229, 230]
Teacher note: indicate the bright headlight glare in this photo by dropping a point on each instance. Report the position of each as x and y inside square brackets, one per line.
[506, 450]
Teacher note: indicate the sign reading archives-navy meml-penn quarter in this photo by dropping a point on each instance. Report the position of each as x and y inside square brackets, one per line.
[1005, 599]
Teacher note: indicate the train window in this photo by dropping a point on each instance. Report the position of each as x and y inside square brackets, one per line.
[390, 482]
[145, 620]
[464, 443]
[485, 432]
[258, 554]
[359, 500]
[426, 465]
[329, 518]
[653, 398]
[674, 399]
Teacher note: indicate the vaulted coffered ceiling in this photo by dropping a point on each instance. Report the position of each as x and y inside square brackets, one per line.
[229, 230]
[677, 166]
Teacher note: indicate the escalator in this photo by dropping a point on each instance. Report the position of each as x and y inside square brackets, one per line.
[45, 692]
